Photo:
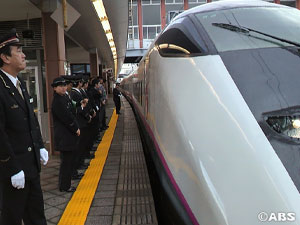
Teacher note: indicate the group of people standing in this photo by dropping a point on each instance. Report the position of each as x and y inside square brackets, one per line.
[78, 110]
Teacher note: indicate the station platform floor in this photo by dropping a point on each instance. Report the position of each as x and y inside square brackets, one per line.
[115, 188]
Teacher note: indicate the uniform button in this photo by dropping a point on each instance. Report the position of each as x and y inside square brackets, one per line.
[29, 149]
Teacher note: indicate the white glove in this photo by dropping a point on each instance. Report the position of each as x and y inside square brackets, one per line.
[18, 180]
[44, 156]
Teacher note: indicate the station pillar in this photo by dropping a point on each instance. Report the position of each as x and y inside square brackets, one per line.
[140, 22]
[54, 57]
[186, 5]
[94, 63]
[163, 13]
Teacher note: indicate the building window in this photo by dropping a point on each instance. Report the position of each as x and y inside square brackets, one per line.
[174, 2]
[172, 14]
[146, 2]
[80, 68]
[197, 1]
[150, 2]
[151, 32]
[135, 33]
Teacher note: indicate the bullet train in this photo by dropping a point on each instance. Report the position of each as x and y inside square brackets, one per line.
[217, 98]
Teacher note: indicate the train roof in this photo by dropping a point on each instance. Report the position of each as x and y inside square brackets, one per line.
[227, 4]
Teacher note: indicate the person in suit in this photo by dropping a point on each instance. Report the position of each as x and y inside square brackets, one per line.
[69, 81]
[116, 98]
[66, 133]
[83, 117]
[22, 148]
[92, 113]
[95, 96]
[102, 113]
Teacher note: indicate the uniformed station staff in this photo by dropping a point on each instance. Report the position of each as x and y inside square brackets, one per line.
[76, 123]
[66, 133]
[22, 147]
[116, 98]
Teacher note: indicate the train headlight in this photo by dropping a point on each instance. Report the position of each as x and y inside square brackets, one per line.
[296, 123]
[286, 125]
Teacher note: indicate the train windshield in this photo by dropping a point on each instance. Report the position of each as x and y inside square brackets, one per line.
[267, 25]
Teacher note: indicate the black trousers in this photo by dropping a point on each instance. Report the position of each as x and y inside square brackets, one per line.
[102, 117]
[0, 196]
[67, 164]
[82, 146]
[118, 105]
[26, 203]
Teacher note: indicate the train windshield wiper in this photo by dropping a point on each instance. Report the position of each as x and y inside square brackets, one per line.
[246, 30]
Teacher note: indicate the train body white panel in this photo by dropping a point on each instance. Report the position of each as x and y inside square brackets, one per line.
[221, 114]
[213, 145]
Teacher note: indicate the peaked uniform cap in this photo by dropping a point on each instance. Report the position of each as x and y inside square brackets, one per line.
[68, 78]
[59, 81]
[10, 38]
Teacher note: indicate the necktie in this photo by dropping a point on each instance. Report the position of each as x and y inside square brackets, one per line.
[18, 86]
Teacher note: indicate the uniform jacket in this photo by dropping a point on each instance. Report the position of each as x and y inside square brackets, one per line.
[65, 124]
[82, 114]
[116, 95]
[95, 96]
[90, 106]
[20, 136]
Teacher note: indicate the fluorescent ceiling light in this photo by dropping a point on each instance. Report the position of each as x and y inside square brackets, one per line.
[109, 36]
[100, 9]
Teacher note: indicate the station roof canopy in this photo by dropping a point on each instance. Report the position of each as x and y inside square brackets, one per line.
[86, 32]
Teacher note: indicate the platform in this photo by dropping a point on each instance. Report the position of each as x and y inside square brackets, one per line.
[123, 193]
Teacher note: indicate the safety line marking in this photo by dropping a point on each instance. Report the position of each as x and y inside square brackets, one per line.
[78, 207]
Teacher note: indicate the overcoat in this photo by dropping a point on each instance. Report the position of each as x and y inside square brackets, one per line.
[65, 124]
[20, 135]
[116, 95]
[82, 114]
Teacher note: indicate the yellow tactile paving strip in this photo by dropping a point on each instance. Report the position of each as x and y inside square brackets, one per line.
[78, 207]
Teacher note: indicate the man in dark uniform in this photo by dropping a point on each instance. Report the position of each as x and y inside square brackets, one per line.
[116, 98]
[66, 133]
[83, 117]
[92, 113]
[69, 81]
[22, 147]
[95, 98]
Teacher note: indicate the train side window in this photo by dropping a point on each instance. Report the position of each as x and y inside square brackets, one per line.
[178, 41]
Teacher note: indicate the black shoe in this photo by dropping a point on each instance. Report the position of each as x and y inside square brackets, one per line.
[90, 156]
[83, 167]
[71, 189]
[77, 176]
